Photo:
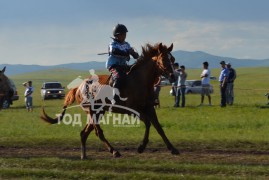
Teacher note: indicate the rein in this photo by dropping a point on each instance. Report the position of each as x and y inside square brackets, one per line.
[161, 68]
[171, 63]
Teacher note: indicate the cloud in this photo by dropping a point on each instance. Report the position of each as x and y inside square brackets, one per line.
[245, 39]
[49, 45]
[57, 44]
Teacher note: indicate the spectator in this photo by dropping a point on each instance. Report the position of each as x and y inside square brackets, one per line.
[230, 84]
[267, 95]
[181, 87]
[157, 89]
[223, 83]
[176, 73]
[205, 83]
[28, 96]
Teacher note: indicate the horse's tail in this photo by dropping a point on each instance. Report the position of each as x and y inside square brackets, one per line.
[69, 99]
[50, 120]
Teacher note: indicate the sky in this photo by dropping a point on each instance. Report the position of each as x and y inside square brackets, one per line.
[50, 32]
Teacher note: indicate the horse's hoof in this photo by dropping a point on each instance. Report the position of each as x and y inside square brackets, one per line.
[83, 157]
[116, 154]
[175, 151]
[140, 149]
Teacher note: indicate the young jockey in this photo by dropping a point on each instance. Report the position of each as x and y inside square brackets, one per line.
[119, 54]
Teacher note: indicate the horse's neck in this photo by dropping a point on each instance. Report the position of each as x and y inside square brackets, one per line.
[146, 73]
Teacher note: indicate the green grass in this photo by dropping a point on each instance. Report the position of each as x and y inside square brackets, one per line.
[216, 143]
[126, 168]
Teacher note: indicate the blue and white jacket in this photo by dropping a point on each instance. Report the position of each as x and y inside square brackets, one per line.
[118, 54]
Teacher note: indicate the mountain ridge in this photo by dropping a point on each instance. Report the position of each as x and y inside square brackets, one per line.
[186, 58]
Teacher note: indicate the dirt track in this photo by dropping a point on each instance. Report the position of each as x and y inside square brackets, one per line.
[253, 157]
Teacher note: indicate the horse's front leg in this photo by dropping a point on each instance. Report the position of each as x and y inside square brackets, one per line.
[156, 124]
[84, 135]
[145, 141]
[100, 134]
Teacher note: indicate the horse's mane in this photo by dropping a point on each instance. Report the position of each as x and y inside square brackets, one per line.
[148, 51]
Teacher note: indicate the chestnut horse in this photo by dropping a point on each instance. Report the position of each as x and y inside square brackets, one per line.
[138, 89]
[6, 91]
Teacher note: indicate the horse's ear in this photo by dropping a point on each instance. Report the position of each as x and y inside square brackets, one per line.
[160, 48]
[170, 48]
[3, 70]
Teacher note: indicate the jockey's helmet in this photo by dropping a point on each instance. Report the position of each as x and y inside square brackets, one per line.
[119, 29]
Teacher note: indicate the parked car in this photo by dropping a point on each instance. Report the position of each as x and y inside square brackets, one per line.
[52, 90]
[213, 78]
[164, 81]
[195, 87]
[15, 97]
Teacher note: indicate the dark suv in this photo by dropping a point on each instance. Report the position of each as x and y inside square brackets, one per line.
[52, 90]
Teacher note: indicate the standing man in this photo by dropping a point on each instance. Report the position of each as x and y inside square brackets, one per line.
[230, 84]
[28, 96]
[181, 87]
[176, 74]
[205, 84]
[157, 89]
[223, 78]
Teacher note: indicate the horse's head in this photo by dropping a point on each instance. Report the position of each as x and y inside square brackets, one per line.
[165, 61]
[5, 88]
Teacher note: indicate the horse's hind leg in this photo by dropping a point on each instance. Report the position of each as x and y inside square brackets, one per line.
[145, 141]
[156, 124]
[84, 135]
[101, 136]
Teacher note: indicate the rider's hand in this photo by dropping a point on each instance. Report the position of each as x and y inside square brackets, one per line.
[131, 50]
[133, 53]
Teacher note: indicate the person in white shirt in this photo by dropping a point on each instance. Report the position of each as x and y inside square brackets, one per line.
[28, 96]
[181, 87]
[205, 83]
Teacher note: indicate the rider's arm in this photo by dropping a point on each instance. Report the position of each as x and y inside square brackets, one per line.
[119, 52]
[133, 53]
[114, 49]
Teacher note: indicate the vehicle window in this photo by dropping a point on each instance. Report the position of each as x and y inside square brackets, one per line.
[53, 85]
[197, 83]
[189, 83]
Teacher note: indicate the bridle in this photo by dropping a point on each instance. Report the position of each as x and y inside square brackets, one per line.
[162, 68]
[170, 56]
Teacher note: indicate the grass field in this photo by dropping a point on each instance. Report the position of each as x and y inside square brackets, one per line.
[215, 143]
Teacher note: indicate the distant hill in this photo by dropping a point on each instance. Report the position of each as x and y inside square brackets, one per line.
[189, 59]
[195, 60]
[14, 69]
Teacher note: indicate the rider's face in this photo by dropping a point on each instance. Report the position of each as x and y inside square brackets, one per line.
[121, 37]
